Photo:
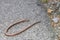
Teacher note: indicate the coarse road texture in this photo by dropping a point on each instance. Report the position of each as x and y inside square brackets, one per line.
[13, 10]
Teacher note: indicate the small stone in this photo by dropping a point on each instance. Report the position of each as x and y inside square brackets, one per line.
[55, 20]
[56, 39]
[58, 27]
[49, 10]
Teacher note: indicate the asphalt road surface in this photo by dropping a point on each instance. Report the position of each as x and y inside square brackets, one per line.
[14, 10]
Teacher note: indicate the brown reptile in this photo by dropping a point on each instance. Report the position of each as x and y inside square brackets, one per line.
[24, 29]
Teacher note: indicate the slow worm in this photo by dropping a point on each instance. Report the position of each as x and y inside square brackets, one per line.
[21, 31]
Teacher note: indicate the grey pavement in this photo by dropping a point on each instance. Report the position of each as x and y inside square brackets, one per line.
[14, 10]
